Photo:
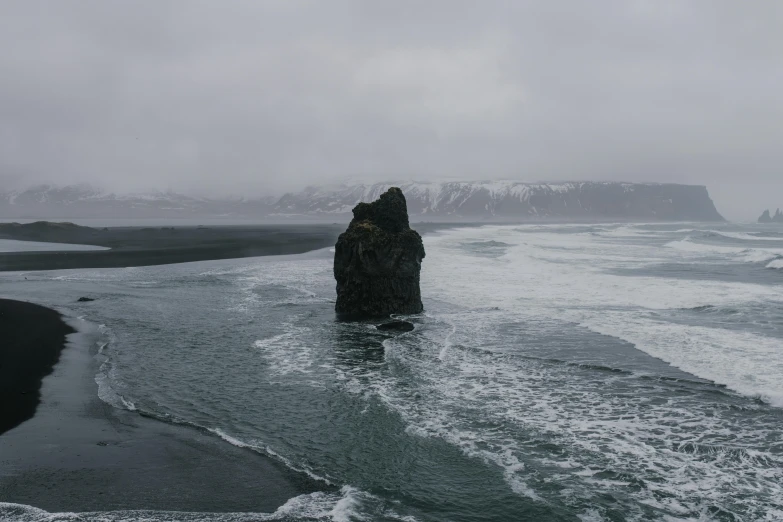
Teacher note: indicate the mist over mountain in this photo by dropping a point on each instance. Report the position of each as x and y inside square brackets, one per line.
[85, 201]
[432, 201]
[266, 97]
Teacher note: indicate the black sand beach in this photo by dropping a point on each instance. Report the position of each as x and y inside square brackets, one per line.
[77, 453]
[136, 246]
[31, 338]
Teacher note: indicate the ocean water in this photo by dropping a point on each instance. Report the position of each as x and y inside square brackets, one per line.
[584, 372]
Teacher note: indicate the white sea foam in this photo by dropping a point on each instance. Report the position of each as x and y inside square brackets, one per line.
[731, 235]
[347, 505]
[497, 408]
[627, 231]
[526, 282]
[266, 450]
[509, 395]
[777, 263]
[287, 353]
[106, 378]
[748, 363]
[727, 253]
[688, 245]
[546, 275]
[744, 236]
[231, 440]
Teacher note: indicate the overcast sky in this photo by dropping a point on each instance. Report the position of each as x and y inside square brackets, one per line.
[256, 97]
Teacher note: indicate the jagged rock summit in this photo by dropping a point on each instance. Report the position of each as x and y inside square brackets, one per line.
[377, 261]
[766, 218]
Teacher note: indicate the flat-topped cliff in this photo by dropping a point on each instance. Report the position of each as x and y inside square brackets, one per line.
[516, 201]
[511, 201]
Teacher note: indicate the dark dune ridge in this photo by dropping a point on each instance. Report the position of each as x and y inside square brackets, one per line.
[31, 339]
[77, 453]
[135, 246]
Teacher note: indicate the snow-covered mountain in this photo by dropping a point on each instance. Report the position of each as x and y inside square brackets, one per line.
[84, 201]
[482, 201]
[512, 200]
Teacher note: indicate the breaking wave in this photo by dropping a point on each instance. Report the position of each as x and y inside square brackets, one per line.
[347, 505]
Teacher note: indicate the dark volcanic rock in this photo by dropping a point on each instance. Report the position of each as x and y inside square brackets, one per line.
[396, 326]
[766, 218]
[377, 261]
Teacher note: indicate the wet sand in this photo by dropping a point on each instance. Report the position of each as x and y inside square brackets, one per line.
[79, 454]
[31, 339]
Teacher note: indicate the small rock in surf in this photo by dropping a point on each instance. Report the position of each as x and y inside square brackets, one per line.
[396, 326]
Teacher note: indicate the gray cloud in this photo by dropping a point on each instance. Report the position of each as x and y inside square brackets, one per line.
[264, 96]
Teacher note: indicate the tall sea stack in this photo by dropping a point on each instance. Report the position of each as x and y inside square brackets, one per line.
[377, 261]
[766, 218]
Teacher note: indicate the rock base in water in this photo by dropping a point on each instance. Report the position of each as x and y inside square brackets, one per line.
[396, 326]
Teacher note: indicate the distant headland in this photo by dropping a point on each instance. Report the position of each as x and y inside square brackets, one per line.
[477, 201]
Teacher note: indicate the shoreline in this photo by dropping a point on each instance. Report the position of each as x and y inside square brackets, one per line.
[77, 453]
[136, 246]
[33, 337]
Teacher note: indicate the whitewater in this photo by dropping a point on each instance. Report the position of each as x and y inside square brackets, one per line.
[559, 372]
